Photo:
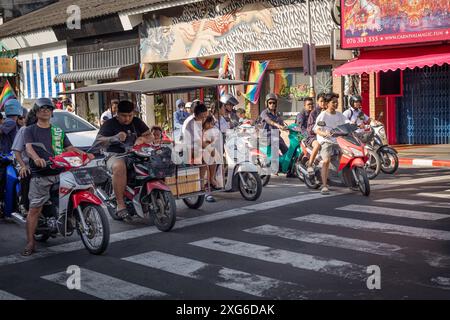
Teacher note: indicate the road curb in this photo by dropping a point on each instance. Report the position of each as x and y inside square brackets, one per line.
[424, 162]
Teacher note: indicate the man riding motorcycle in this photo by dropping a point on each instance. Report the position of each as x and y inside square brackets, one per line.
[129, 130]
[229, 101]
[271, 119]
[55, 142]
[327, 121]
[355, 114]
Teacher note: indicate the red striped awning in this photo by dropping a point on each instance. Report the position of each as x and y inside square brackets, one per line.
[393, 59]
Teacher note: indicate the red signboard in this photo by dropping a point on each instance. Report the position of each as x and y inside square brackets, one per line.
[369, 23]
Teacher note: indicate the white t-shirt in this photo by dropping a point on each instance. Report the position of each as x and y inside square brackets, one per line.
[211, 135]
[332, 121]
[106, 116]
[355, 116]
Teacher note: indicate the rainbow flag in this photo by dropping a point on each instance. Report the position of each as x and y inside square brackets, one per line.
[257, 70]
[196, 65]
[7, 93]
[282, 82]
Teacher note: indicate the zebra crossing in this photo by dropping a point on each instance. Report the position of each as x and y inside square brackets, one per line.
[254, 284]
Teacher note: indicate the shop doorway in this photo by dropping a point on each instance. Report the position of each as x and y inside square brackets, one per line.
[423, 113]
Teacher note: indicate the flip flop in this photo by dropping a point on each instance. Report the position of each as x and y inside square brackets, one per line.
[28, 252]
[123, 214]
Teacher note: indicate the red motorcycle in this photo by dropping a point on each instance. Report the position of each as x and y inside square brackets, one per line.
[146, 194]
[347, 165]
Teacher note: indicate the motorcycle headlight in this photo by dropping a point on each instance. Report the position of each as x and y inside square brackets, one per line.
[357, 153]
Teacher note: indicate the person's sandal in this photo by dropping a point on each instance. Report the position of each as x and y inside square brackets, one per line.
[123, 214]
[28, 251]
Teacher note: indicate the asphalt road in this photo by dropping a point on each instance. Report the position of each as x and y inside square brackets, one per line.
[293, 243]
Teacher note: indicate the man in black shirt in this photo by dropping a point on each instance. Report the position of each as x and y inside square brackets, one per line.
[129, 130]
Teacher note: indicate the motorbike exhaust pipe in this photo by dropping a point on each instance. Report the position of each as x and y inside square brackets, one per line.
[102, 194]
[18, 217]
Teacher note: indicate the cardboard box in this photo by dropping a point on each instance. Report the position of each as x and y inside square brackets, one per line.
[188, 181]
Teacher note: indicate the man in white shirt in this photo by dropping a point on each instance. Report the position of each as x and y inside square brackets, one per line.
[326, 121]
[110, 112]
[355, 114]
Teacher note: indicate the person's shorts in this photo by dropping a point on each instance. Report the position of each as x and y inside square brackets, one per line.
[328, 149]
[40, 190]
[310, 140]
[112, 159]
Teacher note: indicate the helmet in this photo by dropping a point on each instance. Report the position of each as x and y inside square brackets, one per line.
[42, 102]
[354, 99]
[13, 108]
[229, 99]
[271, 96]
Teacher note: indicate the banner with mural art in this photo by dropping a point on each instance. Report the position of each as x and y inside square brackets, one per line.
[368, 23]
[285, 87]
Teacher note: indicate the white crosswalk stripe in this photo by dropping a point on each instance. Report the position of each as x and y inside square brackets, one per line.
[8, 296]
[434, 195]
[415, 202]
[378, 248]
[105, 287]
[420, 215]
[415, 232]
[252, 284]
[334, 267]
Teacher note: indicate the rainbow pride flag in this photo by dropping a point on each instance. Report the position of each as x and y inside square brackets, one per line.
[7, 93]
[196, 65]
[223, 73]
[257, 70]
[282, 82]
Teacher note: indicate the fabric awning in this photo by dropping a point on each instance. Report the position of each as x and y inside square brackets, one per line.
[393, 59]
[160, 85]
[93, 74]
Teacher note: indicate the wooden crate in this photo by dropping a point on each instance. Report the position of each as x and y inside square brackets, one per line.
[188, 181]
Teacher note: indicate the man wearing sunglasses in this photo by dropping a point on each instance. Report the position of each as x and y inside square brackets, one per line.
[55, 142]
[272, 120]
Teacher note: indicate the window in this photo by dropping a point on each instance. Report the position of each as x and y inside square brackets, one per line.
[70, 122]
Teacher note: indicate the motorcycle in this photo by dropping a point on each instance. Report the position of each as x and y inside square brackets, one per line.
[387, 154]
[11, 192]
[286, 163]
[347, 168]
[240, 173]
[146, 194]
[72, 205]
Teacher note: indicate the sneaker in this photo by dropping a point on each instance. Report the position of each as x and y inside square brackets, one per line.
[325, 191]
[210, 198]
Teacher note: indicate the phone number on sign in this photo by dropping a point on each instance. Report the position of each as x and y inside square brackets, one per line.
[370, 39]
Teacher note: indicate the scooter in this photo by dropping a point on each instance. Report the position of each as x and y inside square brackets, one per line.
[286, 162]
[387, 154]
[11, 192]
[347, 168]
[240, 173]
[72, 205]
[146, 194]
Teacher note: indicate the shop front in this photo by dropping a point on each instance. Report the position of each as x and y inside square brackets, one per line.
[404, 68]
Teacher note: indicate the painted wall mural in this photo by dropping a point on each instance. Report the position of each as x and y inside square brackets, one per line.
[216, 27]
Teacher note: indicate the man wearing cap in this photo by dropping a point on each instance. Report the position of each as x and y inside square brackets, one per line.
[123, 131]
[179, 117]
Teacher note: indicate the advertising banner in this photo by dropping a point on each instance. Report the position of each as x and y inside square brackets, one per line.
[369, 23]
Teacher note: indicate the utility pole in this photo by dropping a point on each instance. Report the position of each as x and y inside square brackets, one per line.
[311, 48]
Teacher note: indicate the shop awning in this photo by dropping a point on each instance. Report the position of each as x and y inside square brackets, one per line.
[93, 74]
[160, 85]
[393, 59]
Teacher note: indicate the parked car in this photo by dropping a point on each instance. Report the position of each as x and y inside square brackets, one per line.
[80, 132]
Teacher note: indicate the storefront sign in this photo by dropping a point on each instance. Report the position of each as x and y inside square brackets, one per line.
[368, 23]
[8, 65]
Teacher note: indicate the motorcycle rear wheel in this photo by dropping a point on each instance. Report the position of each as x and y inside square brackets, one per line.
[389, 162]
[265, 179]
[373, 165]
[312, 182]
[166, 214]
[194, 202]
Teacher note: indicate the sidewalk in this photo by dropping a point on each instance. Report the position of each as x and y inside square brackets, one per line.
[424, 155]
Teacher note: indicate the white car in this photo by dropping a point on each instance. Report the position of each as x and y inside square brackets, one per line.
[80, 132]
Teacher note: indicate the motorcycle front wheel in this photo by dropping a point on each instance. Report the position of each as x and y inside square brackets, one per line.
[166, 210]
[363, 181]
[96, 237]
[389, 161]
[373, 165]
[250, 185]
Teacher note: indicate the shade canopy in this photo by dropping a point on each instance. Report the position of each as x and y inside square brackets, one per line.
[159, 85]
[92, 74]
[393, 59]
